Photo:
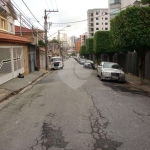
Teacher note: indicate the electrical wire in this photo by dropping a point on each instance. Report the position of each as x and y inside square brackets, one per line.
[22, 18]
[88, 19]
[32, 13]
[93, 17]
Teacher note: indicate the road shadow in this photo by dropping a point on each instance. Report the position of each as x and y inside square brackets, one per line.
[123, 87]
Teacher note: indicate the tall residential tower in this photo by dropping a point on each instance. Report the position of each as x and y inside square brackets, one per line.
[98, 20]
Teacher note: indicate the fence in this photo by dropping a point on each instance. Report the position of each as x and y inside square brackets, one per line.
[11, 62]
[129, 62]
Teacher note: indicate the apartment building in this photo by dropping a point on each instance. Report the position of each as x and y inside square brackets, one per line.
[98, 20]
[83, 38]
[77, 45]
[115, 6]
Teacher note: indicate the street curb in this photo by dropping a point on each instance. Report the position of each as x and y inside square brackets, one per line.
[135, 86]
[18, 91]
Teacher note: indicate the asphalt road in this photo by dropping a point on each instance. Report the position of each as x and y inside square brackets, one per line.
[71, 109]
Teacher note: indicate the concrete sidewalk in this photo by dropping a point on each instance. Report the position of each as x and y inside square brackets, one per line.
[135, 82]
[16, 85]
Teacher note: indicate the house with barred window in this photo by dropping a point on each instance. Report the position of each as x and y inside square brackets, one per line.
[13, 49]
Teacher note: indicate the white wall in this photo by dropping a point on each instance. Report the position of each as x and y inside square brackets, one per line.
[125, 3]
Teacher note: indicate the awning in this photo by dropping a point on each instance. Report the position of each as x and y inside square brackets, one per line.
[4, 37]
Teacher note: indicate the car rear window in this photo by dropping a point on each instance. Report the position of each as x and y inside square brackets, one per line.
[109, 65]
[56, 59]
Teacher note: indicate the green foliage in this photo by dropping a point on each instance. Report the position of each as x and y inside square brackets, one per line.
[54, 41]
[89, 46]
[130, 29]
[41, 43]
[144, 2]
[83, 51]
[102, 42]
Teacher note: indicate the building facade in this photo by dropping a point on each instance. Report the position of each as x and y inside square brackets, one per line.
[77, 45]
[115, 6]
[7, 17]
[98, 20]
[83, 38]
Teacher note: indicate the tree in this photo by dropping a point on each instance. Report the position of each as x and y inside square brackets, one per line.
[130, 30]
[41, 43]
[89, 46]
[101, 43]
[83, 51]
[144, 2]
[54, 41]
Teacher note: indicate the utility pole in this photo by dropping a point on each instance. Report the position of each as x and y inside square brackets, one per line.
[46, 40]
[59, 44]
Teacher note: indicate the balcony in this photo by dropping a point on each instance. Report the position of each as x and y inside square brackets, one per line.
[4, 12]
[115, 3]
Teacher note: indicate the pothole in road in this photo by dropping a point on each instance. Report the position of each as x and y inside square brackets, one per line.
[52, 138]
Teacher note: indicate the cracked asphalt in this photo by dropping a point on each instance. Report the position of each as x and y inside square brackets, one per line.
[71, 109]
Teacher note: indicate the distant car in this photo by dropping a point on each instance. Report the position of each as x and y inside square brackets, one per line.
[89, 64]
[81, 61]
[110, 71]
[57, 63]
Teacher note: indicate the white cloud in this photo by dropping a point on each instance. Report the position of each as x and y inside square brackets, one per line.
[69, 11]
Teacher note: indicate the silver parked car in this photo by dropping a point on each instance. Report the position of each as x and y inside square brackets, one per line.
[81, 61]
[110, 71]
[89, 64]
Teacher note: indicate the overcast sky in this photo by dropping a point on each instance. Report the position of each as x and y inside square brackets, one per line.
[69, 11]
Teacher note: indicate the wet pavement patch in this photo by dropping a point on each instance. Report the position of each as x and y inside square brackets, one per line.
[52, 138]
[106, 144]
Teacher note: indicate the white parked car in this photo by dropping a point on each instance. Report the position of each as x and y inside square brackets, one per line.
[110, 71]
[57, 62]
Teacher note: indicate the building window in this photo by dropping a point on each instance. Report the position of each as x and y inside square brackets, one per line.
[2, 24]
[91, 19]
[97, 23]
[106, 23]
[106, 28]
[11, 27]
[92, 14]
[97, 28]
[102, 18]
[106, 13]
[106, 18]
[96, 18]
[96, 13]
[102, 23]
[102, 28]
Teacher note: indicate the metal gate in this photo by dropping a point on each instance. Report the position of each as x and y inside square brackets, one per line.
[11, 62]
